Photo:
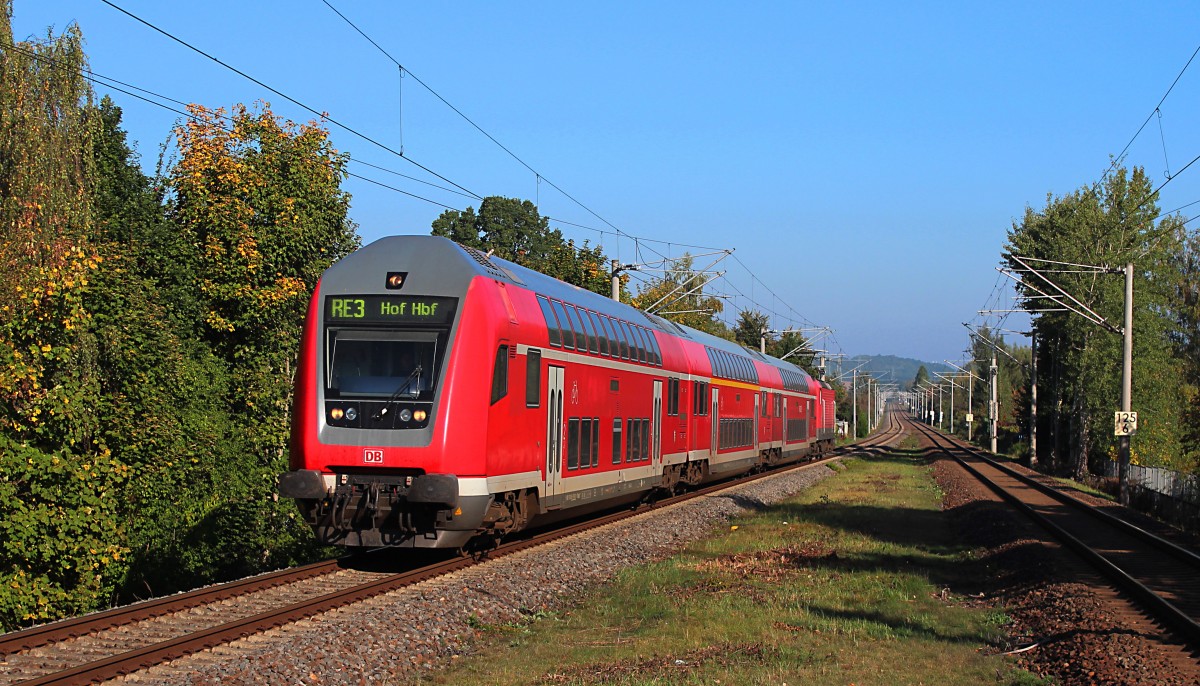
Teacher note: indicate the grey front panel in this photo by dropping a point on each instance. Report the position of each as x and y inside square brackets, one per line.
[435, 267]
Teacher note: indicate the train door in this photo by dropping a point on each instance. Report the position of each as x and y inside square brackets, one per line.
[786, 423]
[757, 412]
[716, 422]
[554, 430]
[812, 423]
[656, 427]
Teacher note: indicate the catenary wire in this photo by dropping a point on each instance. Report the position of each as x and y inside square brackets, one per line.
[291, 99]
[639, 242]
[540, 177]
[1119, 157]
[122, 87]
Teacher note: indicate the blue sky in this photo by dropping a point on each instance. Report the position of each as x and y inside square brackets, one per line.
[865, 160]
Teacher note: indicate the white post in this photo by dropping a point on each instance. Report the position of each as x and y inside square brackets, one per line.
[854, 401]
[940, 407]
[870, 417]
[952, 406]
[994, 409]
[970, 400]
[1126, 386]
[1033, 400]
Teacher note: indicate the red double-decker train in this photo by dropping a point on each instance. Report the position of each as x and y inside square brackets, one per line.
[444, 395]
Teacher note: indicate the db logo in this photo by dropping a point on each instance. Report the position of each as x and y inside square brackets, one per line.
[373, 456]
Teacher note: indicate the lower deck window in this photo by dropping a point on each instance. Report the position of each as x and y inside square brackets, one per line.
[583, 442]
[637, 441]
[736, 433]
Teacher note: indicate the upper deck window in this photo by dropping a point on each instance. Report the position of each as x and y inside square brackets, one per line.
[655, 351]
[552, 326]
[583, 318]
[608, 344]
[623, 335]
[568, 329]
[601, 337]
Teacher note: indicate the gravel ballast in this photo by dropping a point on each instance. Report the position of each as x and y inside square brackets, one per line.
[421, 628]
[1067, 623]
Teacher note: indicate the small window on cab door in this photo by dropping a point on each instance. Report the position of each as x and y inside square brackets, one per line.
[500, 374]
[533, 378]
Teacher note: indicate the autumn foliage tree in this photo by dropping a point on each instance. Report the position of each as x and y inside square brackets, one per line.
[261, 199]
[59, 533]
[148, 338]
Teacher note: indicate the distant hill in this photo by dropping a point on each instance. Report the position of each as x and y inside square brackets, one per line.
[892, 369]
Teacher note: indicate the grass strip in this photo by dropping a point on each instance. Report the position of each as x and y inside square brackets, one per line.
[850, 582]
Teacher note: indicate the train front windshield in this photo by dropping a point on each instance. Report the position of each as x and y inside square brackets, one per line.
[377, 364]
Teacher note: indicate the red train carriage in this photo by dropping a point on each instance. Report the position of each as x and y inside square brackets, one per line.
[444, 395]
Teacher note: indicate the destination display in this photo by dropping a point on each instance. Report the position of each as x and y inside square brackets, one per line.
[396, 309]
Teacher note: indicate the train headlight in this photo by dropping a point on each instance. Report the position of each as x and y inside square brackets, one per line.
[419, 415]
[351, 413]
[405, 415]
[336, 413]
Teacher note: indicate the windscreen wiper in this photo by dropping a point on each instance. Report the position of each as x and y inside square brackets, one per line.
[415, 392]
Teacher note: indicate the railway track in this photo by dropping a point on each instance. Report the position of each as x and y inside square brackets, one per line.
[109, 644]
[1160, 575]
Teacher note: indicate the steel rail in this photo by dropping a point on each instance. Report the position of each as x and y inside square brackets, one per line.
[1166, 611]
[1176, 551]
[128, 614]
[131, 661]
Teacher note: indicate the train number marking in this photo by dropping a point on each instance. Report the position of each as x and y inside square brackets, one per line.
[373, 456]
[348, 308]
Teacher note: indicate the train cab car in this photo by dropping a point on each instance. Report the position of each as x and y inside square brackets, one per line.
[444, 395]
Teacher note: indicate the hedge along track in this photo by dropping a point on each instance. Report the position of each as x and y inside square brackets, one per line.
[108, 644]
[1162, 577]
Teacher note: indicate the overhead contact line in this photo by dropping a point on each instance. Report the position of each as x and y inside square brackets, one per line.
[322, 115]
[462, 190]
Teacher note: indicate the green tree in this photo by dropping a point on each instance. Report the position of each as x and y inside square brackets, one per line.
[1012, 382]
[1110, 223]
[792, 346]
[513, 230]
[261, 201]
[1186, 338]
[163, 392]
[921, 377]
[752, 325]
[679, 296]
[60, 538]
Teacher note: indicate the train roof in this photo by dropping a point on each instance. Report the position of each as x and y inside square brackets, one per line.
[552, 287]
[437, 264]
